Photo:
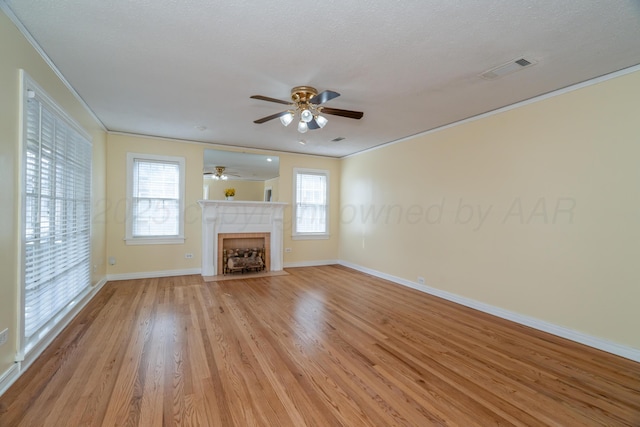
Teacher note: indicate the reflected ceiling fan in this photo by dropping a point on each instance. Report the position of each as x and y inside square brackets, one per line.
[305, 104]
[219, 174]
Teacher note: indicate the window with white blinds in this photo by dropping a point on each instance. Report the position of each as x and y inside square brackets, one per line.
[56, 213]
[311, 204]
[156, 199]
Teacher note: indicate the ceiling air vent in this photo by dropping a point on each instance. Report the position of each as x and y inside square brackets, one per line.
[523, 62]
[508, 68]
[338, 139]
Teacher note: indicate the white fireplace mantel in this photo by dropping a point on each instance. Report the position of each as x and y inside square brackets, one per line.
[221, 216]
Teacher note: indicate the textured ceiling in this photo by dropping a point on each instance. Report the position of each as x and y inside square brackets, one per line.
[169, 68]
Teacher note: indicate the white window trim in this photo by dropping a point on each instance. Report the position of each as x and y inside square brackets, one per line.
[26, 346]
[161, 240]
[309, 236]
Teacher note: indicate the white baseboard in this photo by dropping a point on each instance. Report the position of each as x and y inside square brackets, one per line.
[64, 321]
[8, 377]
[14, 372]
[311, 263]
[11, 375]
[582, 338]
[151, 274]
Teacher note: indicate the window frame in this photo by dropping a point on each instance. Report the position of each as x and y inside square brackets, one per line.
[72, 133]
[130, 239]
[301, 235]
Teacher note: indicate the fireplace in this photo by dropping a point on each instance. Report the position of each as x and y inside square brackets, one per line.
[253, 249]
[243, 220]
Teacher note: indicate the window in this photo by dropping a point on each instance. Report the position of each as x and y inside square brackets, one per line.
[155, 199]
[56, 213]
[311, 204]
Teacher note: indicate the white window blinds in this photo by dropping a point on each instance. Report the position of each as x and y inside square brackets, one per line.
[57, 214]
[311, 196]
[155, 199]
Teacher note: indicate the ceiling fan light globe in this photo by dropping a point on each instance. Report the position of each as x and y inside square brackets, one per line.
[224, 177]
[321, 121]
[286, 119]
[302, 127]
[306, 116]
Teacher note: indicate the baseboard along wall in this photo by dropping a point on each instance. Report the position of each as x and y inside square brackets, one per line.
[13, 373]
[580, 337]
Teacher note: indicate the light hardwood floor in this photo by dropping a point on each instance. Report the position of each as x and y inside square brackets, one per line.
[323, 346]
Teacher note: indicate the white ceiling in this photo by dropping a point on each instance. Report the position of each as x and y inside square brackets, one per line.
[168, 68]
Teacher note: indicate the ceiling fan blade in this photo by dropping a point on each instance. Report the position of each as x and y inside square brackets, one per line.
[312, 124]
[266, 98]
[344, 113]
[323, 97]
[271, 117]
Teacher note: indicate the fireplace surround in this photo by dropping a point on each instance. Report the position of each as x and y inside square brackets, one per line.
[222, 217]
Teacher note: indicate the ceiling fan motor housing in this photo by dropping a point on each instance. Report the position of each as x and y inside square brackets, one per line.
[303, 94]
[306, 101]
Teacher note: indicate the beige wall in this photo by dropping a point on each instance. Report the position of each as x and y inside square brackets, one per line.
[304, 251]
[151, 258]
[245, 190]
[535, 210]
[274, 185]
[156, 258]
[18, 54]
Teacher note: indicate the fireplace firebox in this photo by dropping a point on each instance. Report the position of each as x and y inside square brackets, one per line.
[243, 252]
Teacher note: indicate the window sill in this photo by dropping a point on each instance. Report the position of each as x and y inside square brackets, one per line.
[323, 236]
[154, 241]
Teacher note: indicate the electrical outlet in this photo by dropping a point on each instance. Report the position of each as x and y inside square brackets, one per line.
[4, 335]
[112, 260]
[287, 249]
[420, 280]
[188, 255]
[95, 268]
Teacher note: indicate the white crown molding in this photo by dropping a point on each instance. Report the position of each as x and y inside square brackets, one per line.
[237, 148]
[25, 33]
[579, 337]
[538, 98]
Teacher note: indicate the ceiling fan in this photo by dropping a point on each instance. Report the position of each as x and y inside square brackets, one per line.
[305, 102]
[219, 174]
